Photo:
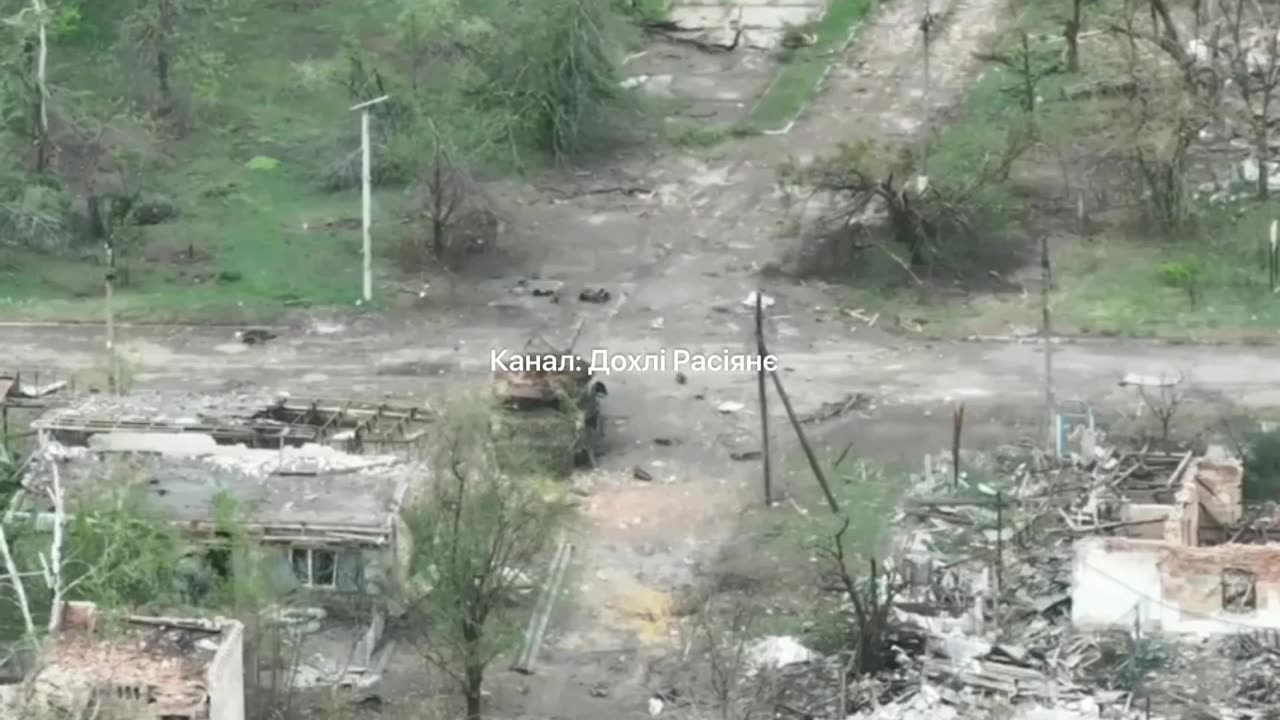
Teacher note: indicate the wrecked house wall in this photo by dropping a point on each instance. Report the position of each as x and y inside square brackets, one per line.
[1110, 588]
[1220, 590]
[1221, 486]
[1144, 521]
[1182, 525]
[1207, 498]
[225, 677]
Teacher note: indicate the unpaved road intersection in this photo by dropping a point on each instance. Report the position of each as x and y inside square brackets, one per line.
[678, 266]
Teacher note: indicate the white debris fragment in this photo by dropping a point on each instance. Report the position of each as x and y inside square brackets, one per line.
[924, 705]
[777, 651]
[729, 407]
[765, 300]
[324, 328]
[517, 580]
[655, 706]
[1157, 381]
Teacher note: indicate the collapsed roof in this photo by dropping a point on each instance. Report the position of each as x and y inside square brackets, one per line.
[286, 493]
[253, 419]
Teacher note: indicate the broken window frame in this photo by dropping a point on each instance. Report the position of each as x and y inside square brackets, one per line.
[310, 580]
[1234, 578]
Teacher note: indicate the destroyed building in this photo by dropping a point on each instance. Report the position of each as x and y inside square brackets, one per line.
[255, 420]
[139, 668]
[331, 518]
[300, 479]
[332, 514]
[1181, 557]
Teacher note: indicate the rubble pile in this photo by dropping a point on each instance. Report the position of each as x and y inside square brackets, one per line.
[982, 625]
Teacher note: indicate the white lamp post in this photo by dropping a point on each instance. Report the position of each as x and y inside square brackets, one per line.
[366, 190]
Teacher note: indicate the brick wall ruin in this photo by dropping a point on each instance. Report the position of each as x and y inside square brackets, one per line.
[1173, 571]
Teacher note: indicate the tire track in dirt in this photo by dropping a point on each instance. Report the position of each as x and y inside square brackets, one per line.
[876, 91]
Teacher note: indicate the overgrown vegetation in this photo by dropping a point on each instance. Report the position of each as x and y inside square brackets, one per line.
[220, 169]
[1262, 466]
[808, 53]
[796, 546]
[1142, 152]
[477, 536]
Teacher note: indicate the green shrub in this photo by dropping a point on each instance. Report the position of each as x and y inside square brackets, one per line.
[1262, 466]
[1186, 275]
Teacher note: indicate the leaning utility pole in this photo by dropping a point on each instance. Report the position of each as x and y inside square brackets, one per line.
[764, 399]
[366, 199]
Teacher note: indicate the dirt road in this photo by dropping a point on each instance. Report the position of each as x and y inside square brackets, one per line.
[677, 266]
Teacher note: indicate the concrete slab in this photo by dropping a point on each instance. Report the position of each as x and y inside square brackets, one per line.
[771, 17]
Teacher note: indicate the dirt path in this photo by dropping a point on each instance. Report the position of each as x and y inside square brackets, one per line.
[678, 267]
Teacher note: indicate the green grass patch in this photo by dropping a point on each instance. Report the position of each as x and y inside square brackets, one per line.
[797, 80]
[264, 136]
[1118, 286]
[1121, 281]
[693, 134]
[649, 10]
[781, 553]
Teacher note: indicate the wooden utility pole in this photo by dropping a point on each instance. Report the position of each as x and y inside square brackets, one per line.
[804, 444]
[764, 399]
[1046, 331]
[113, 383]
[957, 427]
[1273, 256]
[999, 593]
[926, 30]
[366, 192]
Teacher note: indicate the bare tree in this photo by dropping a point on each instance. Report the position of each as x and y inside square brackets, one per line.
[1164, 402]
[872, 597]
[1071, 32]
[1165, 114]
[859, 179]
[1250, 50]
[169, 34]
[31, 25]
[1028, 68]
[476, 538]
[722, 678]
[452, 203]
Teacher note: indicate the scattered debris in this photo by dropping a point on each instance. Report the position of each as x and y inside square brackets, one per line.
[655, 706]
[538, 288]
[255, 336]
[830, 410]
[745, 455]
[630, 190]
[766, 301]
[858, 315]
[777, 651]
[594, 295]
[666, 442]
[729, 407]
[22, 390]
[990, 576]
[641, 474]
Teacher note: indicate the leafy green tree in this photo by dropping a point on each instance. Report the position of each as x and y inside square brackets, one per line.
[476, 537]
[172, 37]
